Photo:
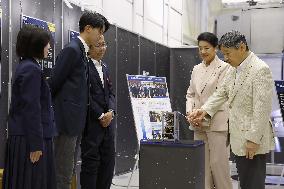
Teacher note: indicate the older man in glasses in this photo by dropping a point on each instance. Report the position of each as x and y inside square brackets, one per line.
[97, 145]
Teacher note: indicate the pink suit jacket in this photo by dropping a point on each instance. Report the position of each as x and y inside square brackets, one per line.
[204, 81]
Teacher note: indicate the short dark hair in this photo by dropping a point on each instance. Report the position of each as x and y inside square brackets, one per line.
[233, 39]
[208, 37]
[91, 18]
[106, 23]
[31, 41]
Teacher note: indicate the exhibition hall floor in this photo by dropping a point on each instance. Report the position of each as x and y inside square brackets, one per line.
[121, 181]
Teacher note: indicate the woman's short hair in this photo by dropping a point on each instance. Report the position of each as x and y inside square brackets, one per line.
[31, 41]
[208, 37]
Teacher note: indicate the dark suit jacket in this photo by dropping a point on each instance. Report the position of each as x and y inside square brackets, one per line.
[101, 98]
[69, 89]
[31, 112]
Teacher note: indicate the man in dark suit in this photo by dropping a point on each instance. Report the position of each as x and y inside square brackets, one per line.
[97, 145]
[69, 87]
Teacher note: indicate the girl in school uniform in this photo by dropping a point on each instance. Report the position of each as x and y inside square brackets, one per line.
[29, 162]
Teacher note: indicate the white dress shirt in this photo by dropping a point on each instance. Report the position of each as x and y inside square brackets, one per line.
[99, 67]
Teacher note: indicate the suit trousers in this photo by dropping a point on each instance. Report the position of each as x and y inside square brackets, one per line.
[251, 172]
[217, 169]
[98, 157]
[64, 160]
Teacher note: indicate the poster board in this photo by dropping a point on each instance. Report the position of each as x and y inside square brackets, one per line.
[149, 99]
[48, 63]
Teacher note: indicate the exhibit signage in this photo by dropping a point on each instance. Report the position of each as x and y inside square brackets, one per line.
[149, 98]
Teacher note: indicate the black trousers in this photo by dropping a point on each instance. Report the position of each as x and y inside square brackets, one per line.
[98, 157]
[251, 172]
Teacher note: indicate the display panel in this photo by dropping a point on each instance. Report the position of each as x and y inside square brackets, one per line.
[149, 98]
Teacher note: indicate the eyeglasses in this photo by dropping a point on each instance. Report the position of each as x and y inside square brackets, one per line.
[100, 45]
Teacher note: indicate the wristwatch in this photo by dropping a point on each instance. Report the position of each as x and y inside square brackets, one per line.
[112, 111]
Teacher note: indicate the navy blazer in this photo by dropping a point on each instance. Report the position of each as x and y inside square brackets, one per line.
[102, 97]
[69, 89]
[31, 112]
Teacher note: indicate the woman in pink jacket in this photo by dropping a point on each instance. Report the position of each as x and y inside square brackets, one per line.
[205, 79]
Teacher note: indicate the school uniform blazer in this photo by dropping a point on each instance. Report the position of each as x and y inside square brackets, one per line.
[204, 82]
[69, 88]
[250, 102]
[31, 112]
[102, 96]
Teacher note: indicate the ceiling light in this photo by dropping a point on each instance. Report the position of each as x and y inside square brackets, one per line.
[68, 4]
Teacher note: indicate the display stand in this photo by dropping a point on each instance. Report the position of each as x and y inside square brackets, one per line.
[171, 164]
[170, 132]
[151, 107]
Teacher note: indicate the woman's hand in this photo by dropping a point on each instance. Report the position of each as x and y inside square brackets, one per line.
[34, 156]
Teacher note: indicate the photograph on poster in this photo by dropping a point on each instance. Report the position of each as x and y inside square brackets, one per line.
[148, 89]
[162, 124]
[156, 124]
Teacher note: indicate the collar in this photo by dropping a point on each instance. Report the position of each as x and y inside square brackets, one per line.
[37, 61]
[244, 63]
[86, 47]
[212, 63]
[97, 63]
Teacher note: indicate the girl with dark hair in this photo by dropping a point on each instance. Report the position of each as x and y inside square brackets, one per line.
[206, 77]
[29, 162]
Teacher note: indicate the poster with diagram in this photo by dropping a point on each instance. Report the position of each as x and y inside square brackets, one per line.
[149, 99]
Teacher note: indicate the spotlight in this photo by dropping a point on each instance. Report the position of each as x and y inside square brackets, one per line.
[252, 3]
[235, 18]
[68, 4]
